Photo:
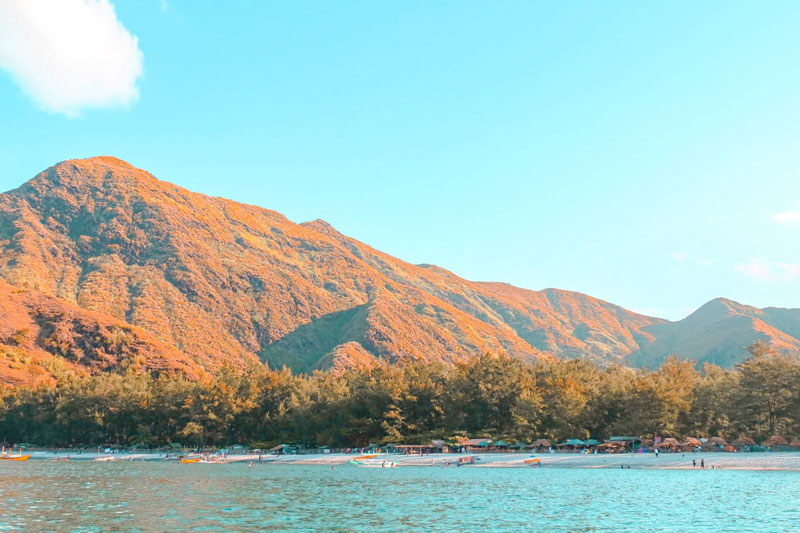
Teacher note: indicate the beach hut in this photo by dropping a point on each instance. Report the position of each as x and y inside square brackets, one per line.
[612, 447]
[628, 442]
[795, 444]
[743, 444]
[776, 442]
[690, 444]
[500, 445]
[539, 444]
[669, 445]
[714, 444]
[571, 444]
[476, 444]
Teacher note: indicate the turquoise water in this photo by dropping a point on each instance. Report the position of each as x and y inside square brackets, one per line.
[152, 496]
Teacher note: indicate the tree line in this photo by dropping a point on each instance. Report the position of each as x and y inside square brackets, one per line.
[490, 396]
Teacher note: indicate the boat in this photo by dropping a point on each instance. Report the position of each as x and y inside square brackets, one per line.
[190, 460]
[533, 461]
[15, 457]
[374, 463]
[19, 457]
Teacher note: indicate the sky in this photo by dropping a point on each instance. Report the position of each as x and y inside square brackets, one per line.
[643, 153]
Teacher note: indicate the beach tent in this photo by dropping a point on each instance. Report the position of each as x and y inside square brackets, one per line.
[775, 442]
[500, 444]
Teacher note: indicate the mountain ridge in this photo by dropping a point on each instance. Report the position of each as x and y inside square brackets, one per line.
[227, 283]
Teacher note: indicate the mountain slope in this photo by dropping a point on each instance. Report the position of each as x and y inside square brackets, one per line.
[39, 334]
[719, 332]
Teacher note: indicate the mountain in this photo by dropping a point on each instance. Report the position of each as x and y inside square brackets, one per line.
[215, 282]
[719, 332]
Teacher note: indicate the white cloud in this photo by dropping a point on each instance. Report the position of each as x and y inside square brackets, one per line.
[680, 256]
[787, 217]
[769, 271]
[69, 55]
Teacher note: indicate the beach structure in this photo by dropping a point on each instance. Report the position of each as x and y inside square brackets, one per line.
[743, 444]
[714, 444]
[475, 444]
[776, 443]
[690, 444]
[669, 444]
[571, 445]
[539, 444]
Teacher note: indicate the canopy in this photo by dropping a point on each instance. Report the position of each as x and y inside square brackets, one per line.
[591, 442]
[573, 442]
[501, 444]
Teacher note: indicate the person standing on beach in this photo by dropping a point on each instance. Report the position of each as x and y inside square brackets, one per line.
[694, 463]
[702, 463]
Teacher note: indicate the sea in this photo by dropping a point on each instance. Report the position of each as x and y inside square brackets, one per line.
[168, 496]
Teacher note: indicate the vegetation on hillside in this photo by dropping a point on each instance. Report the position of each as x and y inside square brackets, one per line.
[492, 396]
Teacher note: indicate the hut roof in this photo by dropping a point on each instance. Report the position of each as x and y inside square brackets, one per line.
[795, 444]
[775, 440]
[719, 441]
[573, 442]
[500, 444]
[691, 441]
[540, 443]
[744, 441]
[591, 442]
[621, 438]
[670, 440]
[476, 442]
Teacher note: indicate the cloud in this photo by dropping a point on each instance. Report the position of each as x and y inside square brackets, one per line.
[69, 55]
[680, 256]
[768, 271]
[787, 217]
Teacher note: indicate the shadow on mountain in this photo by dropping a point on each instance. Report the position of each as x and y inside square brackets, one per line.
[301, 349]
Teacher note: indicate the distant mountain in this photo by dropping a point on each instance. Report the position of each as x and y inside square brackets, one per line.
[223, 283]
[719, 333]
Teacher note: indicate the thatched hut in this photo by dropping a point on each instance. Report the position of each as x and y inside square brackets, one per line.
[776, 442]
[539, 444]
[690, 444]
[669, 445]
[714, 444]
[743, 443]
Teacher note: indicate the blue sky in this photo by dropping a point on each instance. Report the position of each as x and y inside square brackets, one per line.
[643, 154]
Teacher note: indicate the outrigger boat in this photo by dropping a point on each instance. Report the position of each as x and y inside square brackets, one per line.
[19, 457]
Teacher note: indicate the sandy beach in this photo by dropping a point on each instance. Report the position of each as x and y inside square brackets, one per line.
[675, 461]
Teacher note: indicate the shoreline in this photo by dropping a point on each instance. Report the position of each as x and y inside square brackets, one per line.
[764, 461]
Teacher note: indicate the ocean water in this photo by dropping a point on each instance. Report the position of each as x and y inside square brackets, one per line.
[157, 496]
